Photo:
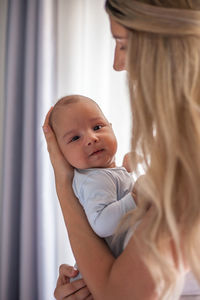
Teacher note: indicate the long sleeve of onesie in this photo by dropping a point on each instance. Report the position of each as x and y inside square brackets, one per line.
[105, 197]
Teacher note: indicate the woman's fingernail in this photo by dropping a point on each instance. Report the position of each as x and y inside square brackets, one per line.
[45, 129]
[74, 271]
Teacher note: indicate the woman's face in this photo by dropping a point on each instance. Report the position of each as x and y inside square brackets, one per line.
[120, 35]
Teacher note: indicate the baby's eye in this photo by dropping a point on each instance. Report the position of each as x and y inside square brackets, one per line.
[97, 127]
[75, 138]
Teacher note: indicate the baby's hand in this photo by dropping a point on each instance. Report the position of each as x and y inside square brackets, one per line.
[127, 162]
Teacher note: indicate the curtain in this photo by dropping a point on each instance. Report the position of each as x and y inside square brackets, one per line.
[3, 11]
[27, 252]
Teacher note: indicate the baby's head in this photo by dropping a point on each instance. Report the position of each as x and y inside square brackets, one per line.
[84, 135]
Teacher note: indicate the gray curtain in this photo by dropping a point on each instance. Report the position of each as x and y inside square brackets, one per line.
[25, 87]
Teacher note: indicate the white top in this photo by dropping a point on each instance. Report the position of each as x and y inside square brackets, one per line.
[191, 287]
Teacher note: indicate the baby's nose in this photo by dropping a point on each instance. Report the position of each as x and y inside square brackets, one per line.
[92, 138]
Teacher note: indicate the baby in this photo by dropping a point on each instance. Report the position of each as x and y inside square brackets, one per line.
[88, 143]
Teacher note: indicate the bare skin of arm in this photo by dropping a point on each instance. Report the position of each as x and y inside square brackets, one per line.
[116, 278]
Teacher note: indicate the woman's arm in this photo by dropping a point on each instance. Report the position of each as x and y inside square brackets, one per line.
[107, 278]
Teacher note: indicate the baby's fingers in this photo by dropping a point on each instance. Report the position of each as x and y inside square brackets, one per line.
[52, 145]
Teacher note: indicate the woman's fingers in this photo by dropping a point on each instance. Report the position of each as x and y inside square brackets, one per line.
[62, 168]
[74, 290]
[46, 121]
[90, 297]
[67, 272]
[50, 136]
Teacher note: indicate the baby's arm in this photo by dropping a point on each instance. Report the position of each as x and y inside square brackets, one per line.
[98, 196]
[105, 218]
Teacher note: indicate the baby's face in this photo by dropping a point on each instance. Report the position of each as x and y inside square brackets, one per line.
[84, 135]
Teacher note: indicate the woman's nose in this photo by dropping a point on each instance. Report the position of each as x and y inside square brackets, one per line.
[119, 60]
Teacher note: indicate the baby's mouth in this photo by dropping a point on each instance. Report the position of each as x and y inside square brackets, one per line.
[97, 152]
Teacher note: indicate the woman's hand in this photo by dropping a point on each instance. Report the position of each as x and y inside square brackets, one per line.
[62, 169]
[77, 290]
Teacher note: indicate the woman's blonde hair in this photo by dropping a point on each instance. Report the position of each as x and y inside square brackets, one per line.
[163, 63]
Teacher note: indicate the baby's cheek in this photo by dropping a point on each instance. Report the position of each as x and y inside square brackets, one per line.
[78, 161]
[70, 157]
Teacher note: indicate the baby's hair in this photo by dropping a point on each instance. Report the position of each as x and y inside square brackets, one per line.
[70, 99]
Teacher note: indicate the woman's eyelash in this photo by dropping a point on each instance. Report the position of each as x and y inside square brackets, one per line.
[122, 46]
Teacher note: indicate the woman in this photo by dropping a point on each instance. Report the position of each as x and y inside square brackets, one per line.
[158, 43]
